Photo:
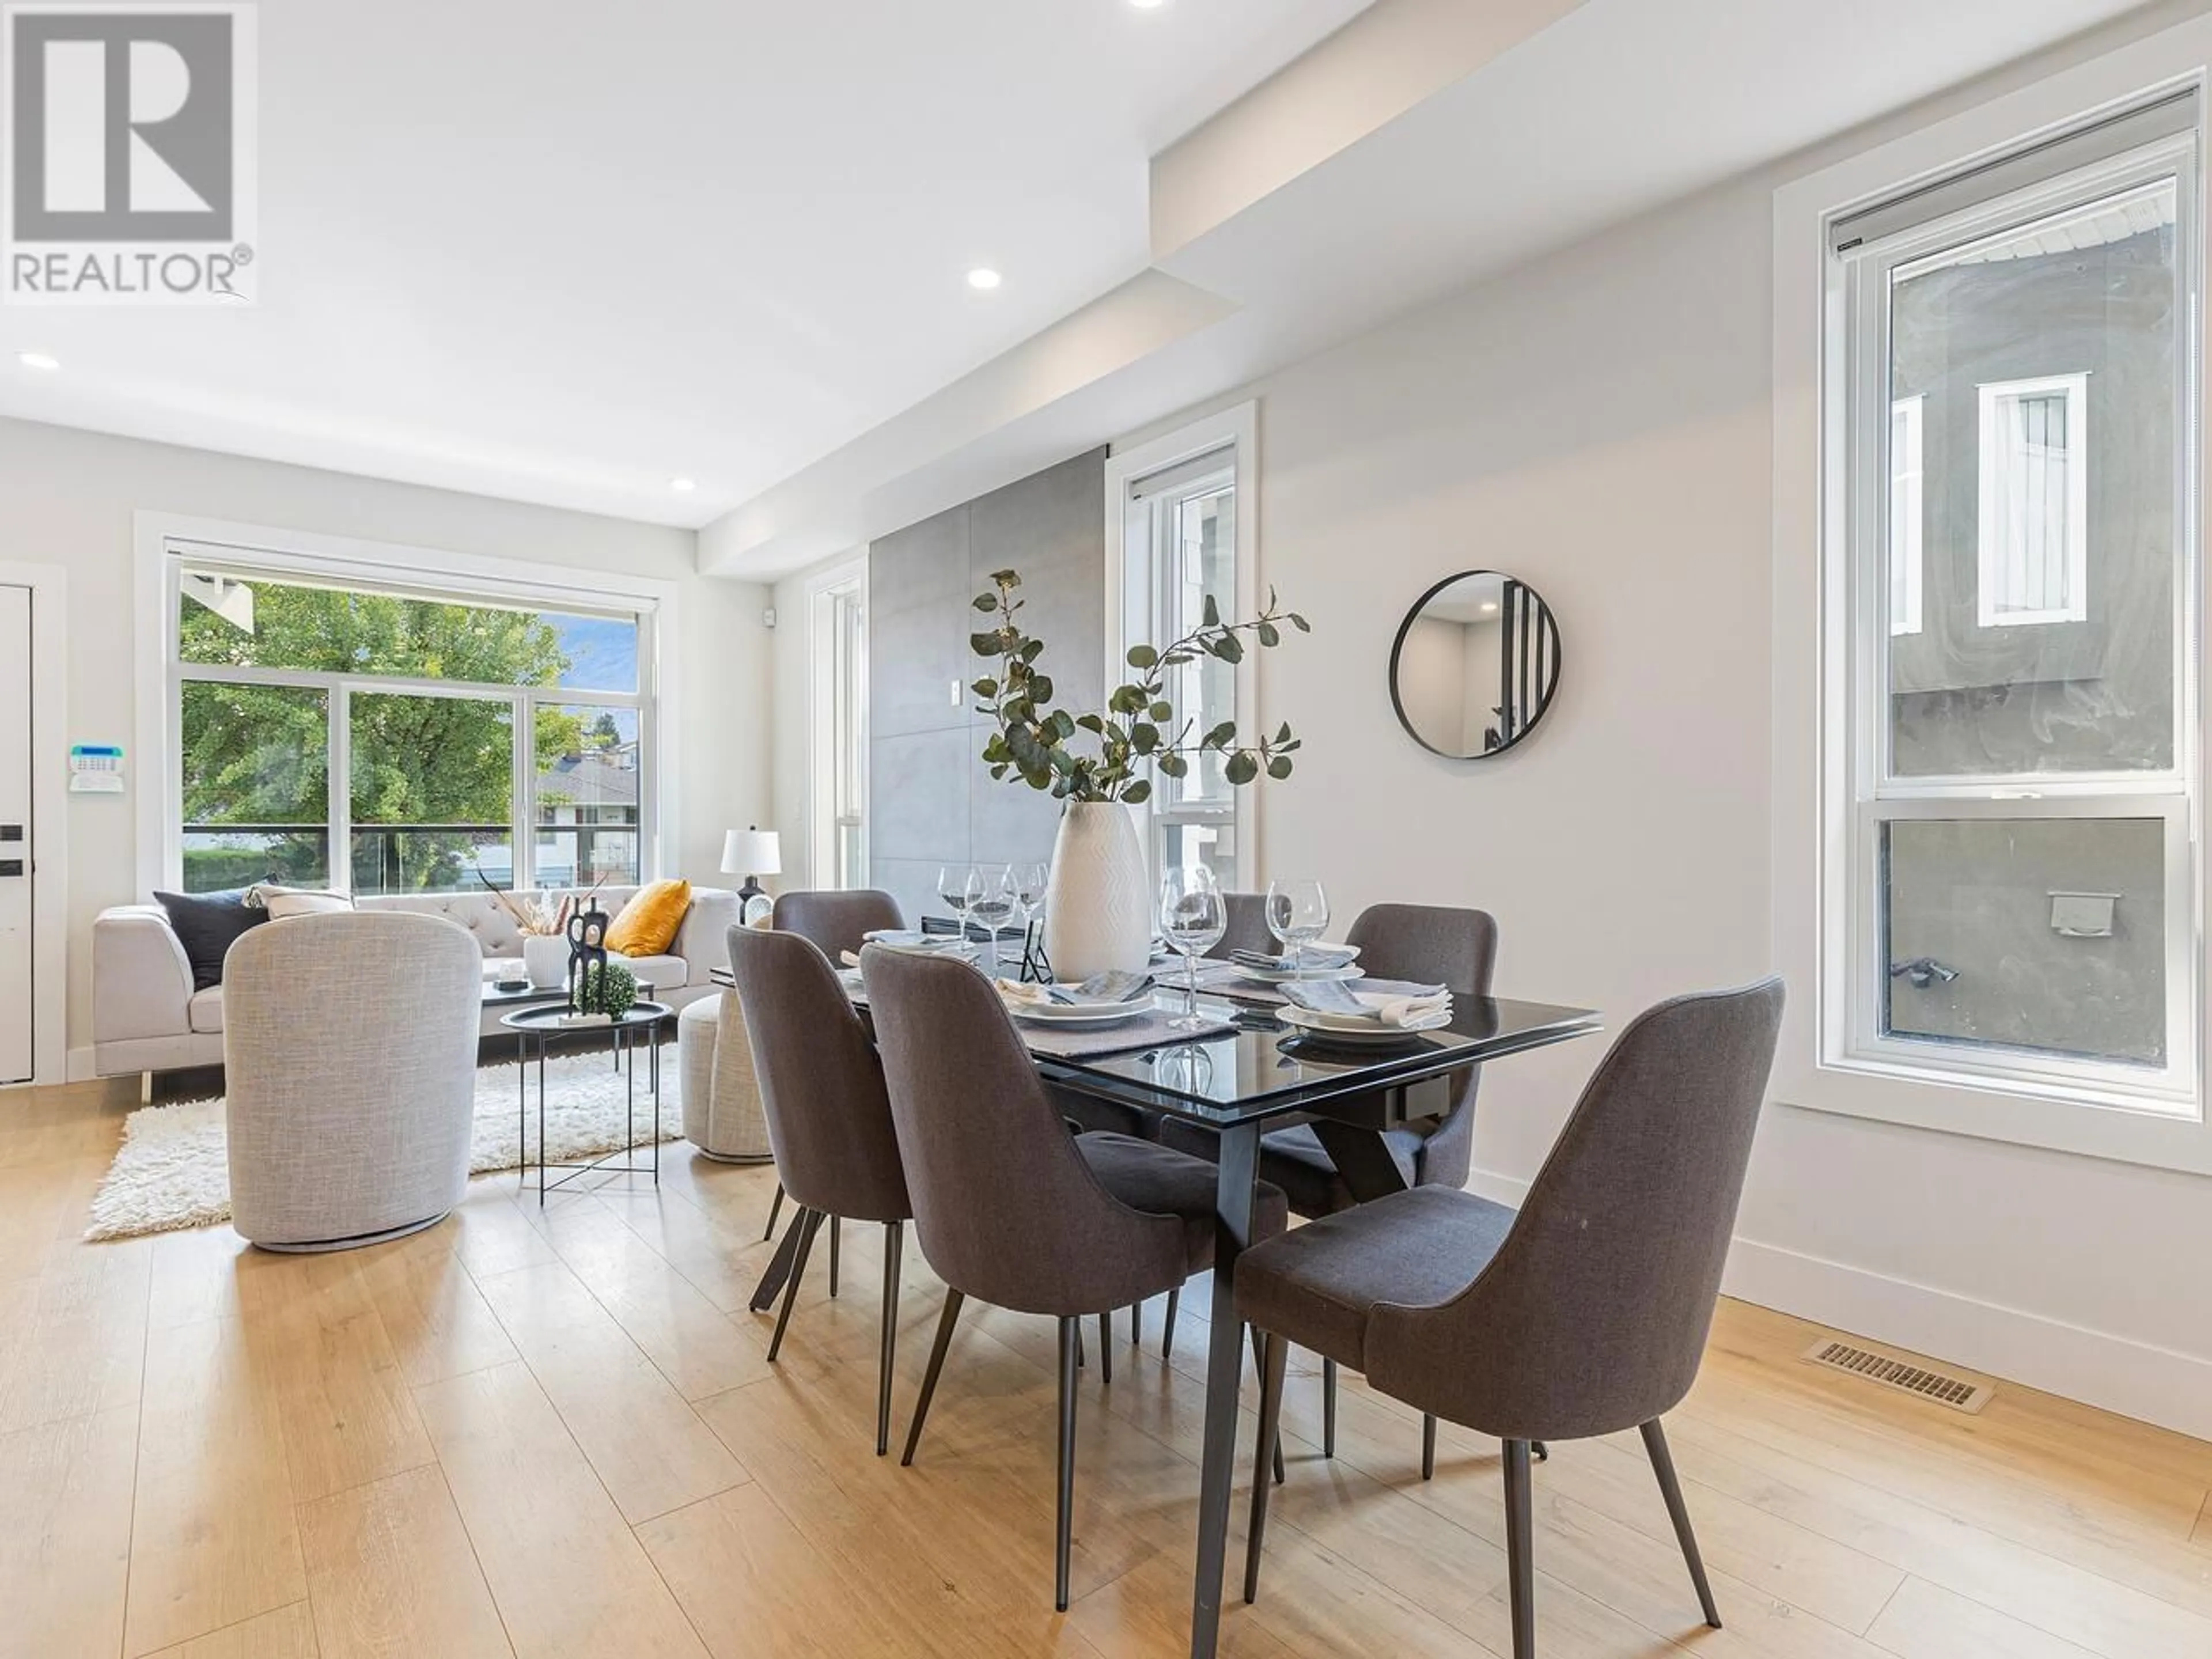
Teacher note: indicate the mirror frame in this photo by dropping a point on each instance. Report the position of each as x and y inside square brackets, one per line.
[1551, 688]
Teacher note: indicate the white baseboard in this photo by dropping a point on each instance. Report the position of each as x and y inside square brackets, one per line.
[82, 1067]
[2117, 1373]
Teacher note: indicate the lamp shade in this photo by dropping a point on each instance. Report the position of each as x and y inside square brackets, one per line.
[752, 852]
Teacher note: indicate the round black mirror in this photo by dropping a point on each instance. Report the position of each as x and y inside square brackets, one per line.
[1476, 665]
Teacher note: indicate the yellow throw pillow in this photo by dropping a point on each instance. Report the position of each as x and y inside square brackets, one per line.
[647, 924]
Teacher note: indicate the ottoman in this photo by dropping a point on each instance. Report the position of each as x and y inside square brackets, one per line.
[722, 1112]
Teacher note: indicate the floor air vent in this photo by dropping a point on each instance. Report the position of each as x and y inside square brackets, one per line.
[1894, 1371]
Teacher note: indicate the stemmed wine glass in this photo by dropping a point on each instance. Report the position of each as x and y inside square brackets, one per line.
[1028, 881]
[991, 901]
[1193, 917]
[952, 888]
[1298, 915]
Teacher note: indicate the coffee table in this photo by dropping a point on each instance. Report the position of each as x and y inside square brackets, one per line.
[539, 1026]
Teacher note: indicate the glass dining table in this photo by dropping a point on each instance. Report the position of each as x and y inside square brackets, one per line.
[1255, 1075]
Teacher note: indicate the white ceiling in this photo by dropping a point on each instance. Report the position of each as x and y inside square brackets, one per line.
[1573, 123]
[565, 252]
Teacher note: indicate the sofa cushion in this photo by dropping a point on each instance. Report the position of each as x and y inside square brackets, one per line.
[647, 924]
[281, 902]
[663, 973]
[206, 928]
[204, 1010]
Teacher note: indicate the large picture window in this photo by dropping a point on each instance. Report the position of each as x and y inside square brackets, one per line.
[2012, 877]
[389, 738]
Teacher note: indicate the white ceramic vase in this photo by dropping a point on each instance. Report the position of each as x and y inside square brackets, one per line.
[1098, 903]
[545, 959]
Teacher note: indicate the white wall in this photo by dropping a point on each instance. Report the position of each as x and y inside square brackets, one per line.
[67, 498]
[1599, 425]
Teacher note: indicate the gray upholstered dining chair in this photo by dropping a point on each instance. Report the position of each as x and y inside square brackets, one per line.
[1584, 1314]
[1434, 945]
[822, 1090]
[1248, 925]
[349, 1065]
[1010, 1208]
[836, 920]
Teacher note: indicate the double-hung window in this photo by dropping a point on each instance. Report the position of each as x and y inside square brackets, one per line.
[2010, 880]
[385, 735]
[1180, 510]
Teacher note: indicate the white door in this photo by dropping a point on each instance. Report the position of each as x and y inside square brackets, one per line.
[17, 1016]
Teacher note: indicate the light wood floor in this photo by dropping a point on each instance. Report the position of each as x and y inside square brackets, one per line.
[559, 1435]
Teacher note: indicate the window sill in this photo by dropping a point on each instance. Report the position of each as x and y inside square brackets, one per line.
[2127, 1129]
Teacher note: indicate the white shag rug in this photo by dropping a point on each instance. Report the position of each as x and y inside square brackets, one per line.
[173, 1170]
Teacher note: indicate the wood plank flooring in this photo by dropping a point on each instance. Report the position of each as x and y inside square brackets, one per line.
[556, 1433]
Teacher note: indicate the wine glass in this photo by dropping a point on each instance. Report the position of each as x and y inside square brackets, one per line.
[1193, 917]
[952, 888]
[991, 901]
[1298, 915]
[1029, 880]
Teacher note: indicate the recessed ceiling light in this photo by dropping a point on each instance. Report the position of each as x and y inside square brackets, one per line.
[682, 486]
[983, 277]
[38, 360]
[1148, 5]
[1489, 606]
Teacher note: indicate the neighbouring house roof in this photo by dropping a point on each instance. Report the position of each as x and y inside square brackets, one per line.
[599, 778]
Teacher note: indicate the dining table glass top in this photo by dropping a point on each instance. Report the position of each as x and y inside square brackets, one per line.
[1261, 1067]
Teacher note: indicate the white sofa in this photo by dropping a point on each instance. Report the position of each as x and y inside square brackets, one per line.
[147, 1017]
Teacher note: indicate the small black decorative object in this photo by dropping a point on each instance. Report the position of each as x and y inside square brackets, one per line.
[1476, 665]
[587, 959]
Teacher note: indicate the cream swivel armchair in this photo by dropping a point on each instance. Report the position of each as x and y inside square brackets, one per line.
[349, 1050]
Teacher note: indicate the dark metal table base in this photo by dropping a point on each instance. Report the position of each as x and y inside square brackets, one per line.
[625, 1050]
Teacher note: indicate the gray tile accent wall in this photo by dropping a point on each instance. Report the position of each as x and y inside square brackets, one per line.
[930, 802]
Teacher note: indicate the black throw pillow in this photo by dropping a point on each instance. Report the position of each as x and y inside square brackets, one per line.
[205, 927]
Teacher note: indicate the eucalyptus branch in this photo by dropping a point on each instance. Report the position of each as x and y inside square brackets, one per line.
[1032, 738]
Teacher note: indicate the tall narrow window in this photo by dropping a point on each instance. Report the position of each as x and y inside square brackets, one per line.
[838, 761]
[2014, 897]
[2033, 521]
[1907, 512]
[1179, 523]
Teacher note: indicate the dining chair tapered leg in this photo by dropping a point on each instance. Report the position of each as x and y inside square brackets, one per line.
[1520, 1547]
[1260, 1371]
[1428, 1447]
[893, 1233]
[1063, 1542]
[945, 1322]
[806, 1222]
[1136, 1324]
[1267, 1447]
[774, 1209]
[1328, 1407]
[837, 1239]
[1662, 1465]
[1105, 1348]
[1167, 1336]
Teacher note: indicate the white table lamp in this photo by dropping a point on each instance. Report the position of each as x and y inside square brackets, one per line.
[752, 852]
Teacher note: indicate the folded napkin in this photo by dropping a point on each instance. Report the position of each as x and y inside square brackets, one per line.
[1314, 956]
[1402, 1005]
[1100, 989]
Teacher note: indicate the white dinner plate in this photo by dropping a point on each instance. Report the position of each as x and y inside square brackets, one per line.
[1079, 1014]
[1350, 971]
[1343, 1028]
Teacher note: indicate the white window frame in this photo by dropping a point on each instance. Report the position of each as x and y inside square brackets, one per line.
[1819, 818]
[1990, 552]
[1908, 518]
[1131, 605]
[166, 543]
[847, 578]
